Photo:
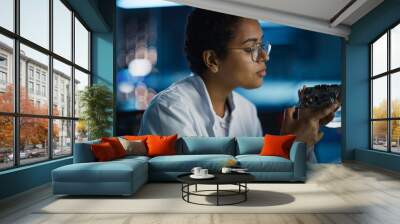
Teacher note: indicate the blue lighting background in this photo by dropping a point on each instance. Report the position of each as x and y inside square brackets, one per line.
[298, 58]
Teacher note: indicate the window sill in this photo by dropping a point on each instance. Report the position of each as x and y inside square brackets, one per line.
[26, 167]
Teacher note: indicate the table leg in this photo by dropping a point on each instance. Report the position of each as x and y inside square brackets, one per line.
[188, 189]
[217, 194]
[196, 188]
[245, 193]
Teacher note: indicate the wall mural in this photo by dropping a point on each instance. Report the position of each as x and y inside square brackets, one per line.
[151, 57]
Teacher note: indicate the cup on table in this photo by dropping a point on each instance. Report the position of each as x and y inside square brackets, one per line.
[196, 170]
[203, 172]
[226, 170]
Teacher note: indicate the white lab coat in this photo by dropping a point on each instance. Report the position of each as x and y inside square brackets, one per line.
[185, 109]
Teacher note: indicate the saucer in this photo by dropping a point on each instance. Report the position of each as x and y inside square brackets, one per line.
[208, 176]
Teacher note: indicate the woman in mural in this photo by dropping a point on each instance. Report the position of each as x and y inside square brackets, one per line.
[224, 52]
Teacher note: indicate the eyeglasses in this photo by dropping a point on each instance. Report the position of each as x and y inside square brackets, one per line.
[256, 51]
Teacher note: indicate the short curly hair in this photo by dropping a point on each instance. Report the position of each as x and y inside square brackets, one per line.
[207, 30]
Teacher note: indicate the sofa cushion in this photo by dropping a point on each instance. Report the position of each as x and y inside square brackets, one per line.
[185, 163]
[116, 145]
[103, 152]
[277, 145]
[206, 145]
[257, 163]
[134, 147]
[161, 145]
[249, 145]
[111, 171]
[131, 158]
[135, 137]
[83, 153]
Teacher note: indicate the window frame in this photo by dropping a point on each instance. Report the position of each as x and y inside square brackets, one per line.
[16, 114]
[388, 74]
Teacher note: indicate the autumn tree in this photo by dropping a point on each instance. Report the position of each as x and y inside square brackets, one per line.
[380, 127]
[33, 131]
[6, 122]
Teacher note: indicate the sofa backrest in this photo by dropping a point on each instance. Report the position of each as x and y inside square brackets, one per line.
[249, 145]
[206, 145]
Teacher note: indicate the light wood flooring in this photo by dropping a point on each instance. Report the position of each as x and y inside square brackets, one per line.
[378, 188]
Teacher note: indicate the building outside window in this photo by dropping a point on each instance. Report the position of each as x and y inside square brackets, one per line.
[3, 71]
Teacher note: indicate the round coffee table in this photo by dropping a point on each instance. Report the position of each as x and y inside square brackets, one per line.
[238, 179]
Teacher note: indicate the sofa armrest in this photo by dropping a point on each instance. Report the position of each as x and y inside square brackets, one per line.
[83, 152]
[298, 157]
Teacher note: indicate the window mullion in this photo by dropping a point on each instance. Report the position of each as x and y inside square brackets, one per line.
[389, 106]
[371, 89]
[73, 83]
[16, 83]
[50, 87]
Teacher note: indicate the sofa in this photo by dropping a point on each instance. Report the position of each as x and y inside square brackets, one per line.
[126, 175]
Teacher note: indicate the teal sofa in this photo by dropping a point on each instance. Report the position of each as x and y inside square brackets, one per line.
[125, 176]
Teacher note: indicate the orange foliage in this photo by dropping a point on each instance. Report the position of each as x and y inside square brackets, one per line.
[33, 130]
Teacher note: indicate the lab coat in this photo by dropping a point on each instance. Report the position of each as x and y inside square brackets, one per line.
[185, 109]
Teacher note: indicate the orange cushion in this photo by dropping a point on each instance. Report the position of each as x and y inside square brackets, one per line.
[116, 145]
[135, 137]
[161, 145]
[103, 151]
[277, 145]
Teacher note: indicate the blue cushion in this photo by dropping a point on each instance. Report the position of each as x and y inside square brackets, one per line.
[83, 153]
[185, 163]
[133, 158]
[257, 163]
[249, 145]
[111, 171]
[119, 177]
[206, 145]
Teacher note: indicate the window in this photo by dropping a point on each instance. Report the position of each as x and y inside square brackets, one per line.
[44, 91]
[38, 89]
[3, 72]
[38, 74]
[30, 72]
[30, 87]
[7, 14]
[3, 78]
[7, 88]
[62, 30]
[40, 81]
[3, 61]
[385, 94]
[63, 75]
[81, 45]
[34, 22]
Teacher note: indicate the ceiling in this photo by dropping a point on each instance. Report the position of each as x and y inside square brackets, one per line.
[333, 17]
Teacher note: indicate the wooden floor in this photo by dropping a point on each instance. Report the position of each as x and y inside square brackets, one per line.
[378, 188]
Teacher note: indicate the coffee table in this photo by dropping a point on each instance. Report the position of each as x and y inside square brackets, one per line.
[238, 179]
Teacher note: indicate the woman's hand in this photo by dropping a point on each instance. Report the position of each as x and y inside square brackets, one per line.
[307, 122]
